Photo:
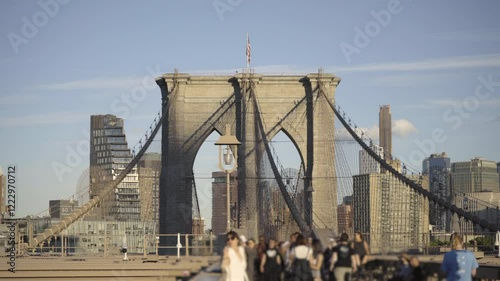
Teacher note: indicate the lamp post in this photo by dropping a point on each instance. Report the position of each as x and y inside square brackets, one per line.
[228, 162]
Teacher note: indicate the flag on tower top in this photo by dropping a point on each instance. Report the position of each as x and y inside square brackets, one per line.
[249, 49]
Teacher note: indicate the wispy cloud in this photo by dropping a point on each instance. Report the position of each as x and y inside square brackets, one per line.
[452, 102]
[457, 62]
[481, 35]
[122, 83]
[444, 63]
[447, 63]
[407, 79]
[63, 117]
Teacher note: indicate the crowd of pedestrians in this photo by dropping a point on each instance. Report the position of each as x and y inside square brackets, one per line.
[304, 259]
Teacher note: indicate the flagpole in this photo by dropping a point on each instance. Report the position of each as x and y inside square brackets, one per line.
[248, 55]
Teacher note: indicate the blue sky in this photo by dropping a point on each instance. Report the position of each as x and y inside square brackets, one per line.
[63, 61]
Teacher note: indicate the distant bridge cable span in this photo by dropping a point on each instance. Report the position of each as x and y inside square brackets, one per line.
[418, 188]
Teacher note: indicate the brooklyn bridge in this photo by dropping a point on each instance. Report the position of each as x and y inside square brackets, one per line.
[256, 107]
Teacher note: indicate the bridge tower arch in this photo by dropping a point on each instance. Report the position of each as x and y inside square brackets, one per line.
[194, 106]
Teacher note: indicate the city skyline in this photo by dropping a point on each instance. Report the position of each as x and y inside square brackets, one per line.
[441, 78]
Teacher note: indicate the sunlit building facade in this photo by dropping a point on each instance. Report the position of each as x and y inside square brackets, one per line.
[394, 215]
[385, 130]
[475, 188]
[219, 201]
[367, 164]
[3, 209]
[476, 175]
[148, 169]
[345, 219]
[109, 156]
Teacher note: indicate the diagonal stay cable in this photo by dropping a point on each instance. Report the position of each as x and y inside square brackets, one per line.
[87, 207]
[293, 209]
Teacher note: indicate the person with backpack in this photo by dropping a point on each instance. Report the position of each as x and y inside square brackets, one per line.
[343, 259]
[270, 266]
[300, 259]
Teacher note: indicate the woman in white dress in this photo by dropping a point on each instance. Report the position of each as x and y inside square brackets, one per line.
[234, 262]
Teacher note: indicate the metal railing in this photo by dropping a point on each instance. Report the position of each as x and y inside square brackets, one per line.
[426, 243]
[102, 245]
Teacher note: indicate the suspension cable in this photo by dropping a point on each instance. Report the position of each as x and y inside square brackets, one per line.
[416, 187]
[293, 209]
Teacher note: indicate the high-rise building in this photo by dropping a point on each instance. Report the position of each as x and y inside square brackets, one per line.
[344, 219]
[475, 188]
[437, 168]
[395, 216]
[148, 169]
[198, 226]
[498, 171]
[219, 201]
[367, 164]
[385, 130]
[481, 204]
[109, 156]
[58, 209]
[3, 209]
[476, 175]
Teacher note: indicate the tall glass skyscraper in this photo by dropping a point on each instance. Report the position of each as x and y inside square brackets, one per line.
[109, 156]
[437, 168]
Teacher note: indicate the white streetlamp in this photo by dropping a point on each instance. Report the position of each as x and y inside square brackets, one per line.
[228, 162]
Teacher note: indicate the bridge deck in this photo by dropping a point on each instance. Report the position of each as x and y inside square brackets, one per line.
[93, 268]
[162, 268]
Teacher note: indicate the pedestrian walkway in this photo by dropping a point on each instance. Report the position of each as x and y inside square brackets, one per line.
[171, 269]
[136, 268]
[384, 267]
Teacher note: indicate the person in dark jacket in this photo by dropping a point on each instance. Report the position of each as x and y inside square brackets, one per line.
[270, 265]
[343, 260]
[300, 259]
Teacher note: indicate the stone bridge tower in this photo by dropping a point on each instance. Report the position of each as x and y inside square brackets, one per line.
[195, 106]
